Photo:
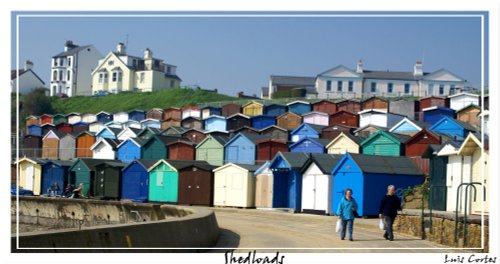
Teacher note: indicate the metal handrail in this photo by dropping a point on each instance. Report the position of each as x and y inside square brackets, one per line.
[467, 184]
[430, 204]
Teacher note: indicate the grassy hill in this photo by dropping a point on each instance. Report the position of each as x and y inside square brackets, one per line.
[127, 101]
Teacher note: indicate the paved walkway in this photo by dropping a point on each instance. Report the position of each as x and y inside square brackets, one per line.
[247, 229]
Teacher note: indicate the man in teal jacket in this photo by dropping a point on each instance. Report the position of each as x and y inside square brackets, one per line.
[345, 211]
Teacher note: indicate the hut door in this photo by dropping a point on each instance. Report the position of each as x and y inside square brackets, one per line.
[232, 152]
[99, 183]
[321, 192]
[220, 189]
[265, 191]
[309, 189]
[30, 175]
[438, 182]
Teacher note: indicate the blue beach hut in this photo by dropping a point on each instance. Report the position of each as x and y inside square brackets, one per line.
[135, 180]
[287, 179]
[368, 176]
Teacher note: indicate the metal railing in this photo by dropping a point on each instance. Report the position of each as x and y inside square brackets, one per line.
[467, 200]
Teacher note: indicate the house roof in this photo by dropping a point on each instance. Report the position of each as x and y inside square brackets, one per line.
[178, 130]
[385, 164]
[61, 163]
[262, 167]
[254, 138]
[372, 110]
[275, 105]
[464, 125]
[320, 141]
[91, 163]
[238, 114]
[431, 133]
[59, 134]
[288, 113]
[355, 139]
[245, 128]
[114, 163]
[463, 94]
[72, 51]
[369, 126]
[182, 164]
[324, 100]
[250, 168]
[393, 136]
[273, 126]
[214, 116]
[315, 113]
[194, 129]
[438, 108]
[296, 160]
[419, 124]
[468, 106]
[137, 141]
[317, 128]
[115, 131]
[146, 164]
[325, 162]
[293, 80]
[343, 112]
[253, 102]
[298, 102]
[113, 143]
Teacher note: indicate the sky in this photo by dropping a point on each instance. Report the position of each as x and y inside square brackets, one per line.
[240, 53]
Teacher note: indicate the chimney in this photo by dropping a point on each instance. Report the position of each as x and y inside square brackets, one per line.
[121, 49]
[359, 66]
[69, 45]
[417, 69]
[28, 65]
[148, 54]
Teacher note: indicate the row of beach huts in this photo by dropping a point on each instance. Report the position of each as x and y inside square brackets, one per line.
[431, 134]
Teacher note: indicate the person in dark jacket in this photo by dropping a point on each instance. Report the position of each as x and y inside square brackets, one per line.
[389, 207]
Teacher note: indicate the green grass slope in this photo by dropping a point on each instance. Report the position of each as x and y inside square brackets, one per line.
[127, 101]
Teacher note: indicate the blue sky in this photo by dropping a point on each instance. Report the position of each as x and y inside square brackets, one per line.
[240, 53]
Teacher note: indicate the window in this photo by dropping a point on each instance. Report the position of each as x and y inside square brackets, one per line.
[116, 76]
[142, 77]
[61, 61]
[61, 75]
[407, 88]
[134, 63]
[69, 61]
[430, 89]
[172, 83]
[169, 70]
[452, 88]
[111, 62]
[55, 62]
[328, 85]
[68, 75]
[373, 87]
[441, 89]
[339, 86]
[103, 77]
[54, 75]
[350, 86]
[390, 88]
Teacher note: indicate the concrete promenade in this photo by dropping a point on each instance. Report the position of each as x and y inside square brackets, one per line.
[253, 229]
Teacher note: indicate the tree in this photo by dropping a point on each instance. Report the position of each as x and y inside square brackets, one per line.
[37, 103]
